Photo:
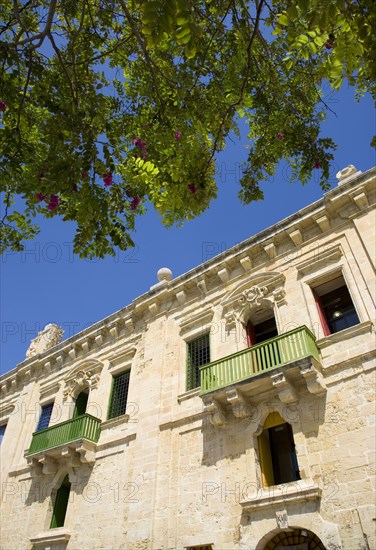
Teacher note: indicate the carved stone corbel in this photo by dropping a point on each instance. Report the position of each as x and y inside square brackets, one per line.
[70, 456]
[238, 403]
[314, 380]
[36, 468]
[216, 412]
[86, 452]
[286, 391]
[49, 465]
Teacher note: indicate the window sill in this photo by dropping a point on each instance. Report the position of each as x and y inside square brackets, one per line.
[112, 422]
[267, 497]
[345, 334]
[60, 535]
[188, 394]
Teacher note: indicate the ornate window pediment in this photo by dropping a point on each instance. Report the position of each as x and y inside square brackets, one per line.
[261, 291]
[82, 376]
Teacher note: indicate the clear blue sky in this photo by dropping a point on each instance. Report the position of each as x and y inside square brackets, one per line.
[48, 284]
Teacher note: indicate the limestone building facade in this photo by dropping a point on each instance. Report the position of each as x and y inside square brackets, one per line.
[229, 408]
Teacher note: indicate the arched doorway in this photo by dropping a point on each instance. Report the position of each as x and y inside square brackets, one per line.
[294, 539]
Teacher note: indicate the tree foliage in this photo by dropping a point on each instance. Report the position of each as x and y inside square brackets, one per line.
[106, 105]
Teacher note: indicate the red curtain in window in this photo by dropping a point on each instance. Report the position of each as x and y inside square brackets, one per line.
[251, 336]
[320, 309]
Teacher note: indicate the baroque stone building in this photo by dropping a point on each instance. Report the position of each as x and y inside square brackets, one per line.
[230, 408]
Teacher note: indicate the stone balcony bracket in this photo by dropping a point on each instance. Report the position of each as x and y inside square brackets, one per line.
[285, 389]
[240, 407]
[72, 454]
[314, 380]
[213, 408]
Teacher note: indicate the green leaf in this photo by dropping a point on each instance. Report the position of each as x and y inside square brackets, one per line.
[283, 20]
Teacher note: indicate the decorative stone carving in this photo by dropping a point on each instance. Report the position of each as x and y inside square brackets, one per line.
[88, 377]
[286, 392]
[47, 338]
[314, 380]
[240, 407]
[214, 409]
[73, 455]
[282, 519]
[254, 295]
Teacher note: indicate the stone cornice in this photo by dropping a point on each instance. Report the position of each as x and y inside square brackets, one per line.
[263, 247]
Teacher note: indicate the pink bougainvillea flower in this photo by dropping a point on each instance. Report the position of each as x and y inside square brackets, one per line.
[317, 164]
[40, 197]
[107, 178]
[192, 188]
[135, 202]
[280, 136]
[3, 106]
[140, 143]
[53, 202]
[177, 136]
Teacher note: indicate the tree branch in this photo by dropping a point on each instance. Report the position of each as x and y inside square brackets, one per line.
[39, 36]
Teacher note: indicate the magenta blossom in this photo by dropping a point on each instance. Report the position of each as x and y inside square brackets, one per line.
[177, 136]
[40, 197]
[53, 202]
[317, 164]
[3, 106]
[84, 175]
[140, 143]
[280, 136]
[192, 188]
[107, 178]
[135, 202]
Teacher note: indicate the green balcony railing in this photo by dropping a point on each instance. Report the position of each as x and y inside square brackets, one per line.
[81, 427]
[276, 352]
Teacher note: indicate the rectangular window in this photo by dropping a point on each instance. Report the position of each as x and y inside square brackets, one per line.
[2, 432]
[198, 354]
[278, 458]
[118, 401]
[45, 416]
[335, 306]
[200, 547]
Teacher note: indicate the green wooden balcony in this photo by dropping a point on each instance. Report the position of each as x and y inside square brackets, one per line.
[261, 358]
[84, 427]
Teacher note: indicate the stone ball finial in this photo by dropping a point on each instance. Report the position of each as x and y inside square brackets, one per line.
[164, 274]
[346, 173]
[47, 338]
